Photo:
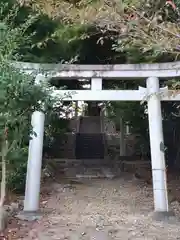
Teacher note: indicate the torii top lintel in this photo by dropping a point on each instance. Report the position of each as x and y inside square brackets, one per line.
[118, 71]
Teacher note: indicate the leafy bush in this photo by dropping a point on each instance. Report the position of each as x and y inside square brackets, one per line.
[16, 175]
[19, 98]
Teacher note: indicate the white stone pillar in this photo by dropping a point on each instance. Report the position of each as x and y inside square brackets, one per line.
[157, 145]
[33, 178]
[122, 138]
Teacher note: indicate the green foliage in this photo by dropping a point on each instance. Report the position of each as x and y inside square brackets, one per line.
[44, 39]
[17, 169]
[19, 98]
[135, 28]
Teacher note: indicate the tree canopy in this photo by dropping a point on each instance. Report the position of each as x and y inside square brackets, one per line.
[151, 27]
[134, 31]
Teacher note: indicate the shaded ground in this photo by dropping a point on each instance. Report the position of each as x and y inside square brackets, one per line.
[103, 209]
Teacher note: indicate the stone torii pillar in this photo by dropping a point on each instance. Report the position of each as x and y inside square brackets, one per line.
[157, 148]
[33, 176]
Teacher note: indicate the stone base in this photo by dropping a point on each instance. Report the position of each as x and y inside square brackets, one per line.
[29, 215]
[164, 216]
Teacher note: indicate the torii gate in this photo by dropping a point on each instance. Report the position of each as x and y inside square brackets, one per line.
[97, 73]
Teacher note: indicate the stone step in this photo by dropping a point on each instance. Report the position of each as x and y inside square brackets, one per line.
[101, 172]
[89, 145]
[90, 124]
[82, 164]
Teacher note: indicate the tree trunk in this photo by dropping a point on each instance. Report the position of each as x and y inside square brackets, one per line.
[3, 213]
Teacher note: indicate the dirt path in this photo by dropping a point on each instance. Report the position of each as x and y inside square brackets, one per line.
[101, 210]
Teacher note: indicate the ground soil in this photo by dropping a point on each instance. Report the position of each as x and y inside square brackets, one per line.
[97, 209]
